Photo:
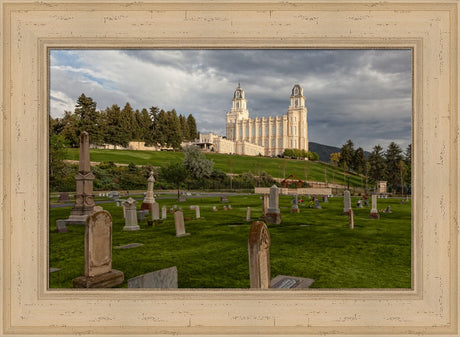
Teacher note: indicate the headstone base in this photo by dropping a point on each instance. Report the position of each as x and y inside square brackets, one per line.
[131, 228]
[290, 282]
[106, 280]
[374, 215]
[345, 212]
[273, 218]
[295, 209]
[181, 235]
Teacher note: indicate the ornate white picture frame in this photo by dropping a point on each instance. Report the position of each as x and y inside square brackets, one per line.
[30, 29]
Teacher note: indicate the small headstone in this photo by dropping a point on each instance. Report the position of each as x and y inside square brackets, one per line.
[155, 211]
[295, 206]
[130, 215]
[374, 214]
[223, 199]
[179, 223]
[265, 203]
[346, 202]
[175, 206]
[141, 215]
[197, 212]
[248, 214]
[325, 198]
[259, 255]
[359, 203]
[351, 222]
[63, 196]
[60, 226]
[182, 198]
[98, 254]
[131, 245]
[214, 209]
[387, 210]
[118, 203]
[229, 206]
[164, 278]
[273, 213]
[224, 208]
[163, 212]
[317, 205]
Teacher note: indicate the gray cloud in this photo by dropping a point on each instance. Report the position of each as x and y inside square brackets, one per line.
[363, 95]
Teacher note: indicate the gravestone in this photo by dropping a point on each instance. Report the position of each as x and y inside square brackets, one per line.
[214, 208]
[229, 206]
[317, 205]
[374, 214]
[346, 202]
[98, 254]
[295, 206]
[63, 197]
[223, 199]
[259, 255]
[97, 209]
[325, 198]
[225, 208]
[156, 211]
[141, 214]
[248, 214]
[84, 198]
[387, 210]
[351, 222]
[265, 203]
[291, 282]
[197, 212]
[182, 198]
[163, 212]
[149, 198]
[164, 278]
[60, 226]
[273, 215]
[179, 223]
[359, 203]
[171, 210]
[130, 215]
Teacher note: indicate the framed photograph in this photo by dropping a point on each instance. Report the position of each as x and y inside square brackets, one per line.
[29, 31]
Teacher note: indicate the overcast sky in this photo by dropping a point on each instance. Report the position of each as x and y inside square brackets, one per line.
[362, 95]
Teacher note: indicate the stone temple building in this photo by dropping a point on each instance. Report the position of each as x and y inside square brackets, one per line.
[268, 136]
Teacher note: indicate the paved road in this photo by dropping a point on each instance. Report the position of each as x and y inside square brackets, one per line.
[162, 197]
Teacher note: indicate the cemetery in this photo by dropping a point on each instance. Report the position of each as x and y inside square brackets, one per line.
[274, 238]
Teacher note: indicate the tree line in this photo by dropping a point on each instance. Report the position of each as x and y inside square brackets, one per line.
[391, 165]
[119, 126]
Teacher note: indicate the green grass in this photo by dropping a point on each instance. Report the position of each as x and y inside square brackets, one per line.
[375, 254]
[276, 167]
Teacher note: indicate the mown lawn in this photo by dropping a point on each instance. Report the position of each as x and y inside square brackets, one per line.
[375, 254]
[276, 167]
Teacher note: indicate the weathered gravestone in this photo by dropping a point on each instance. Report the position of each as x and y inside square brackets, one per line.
[265, 203]
[374, 214]
[155, 211]
[63, 197]
[290, 282]
[259, 255]
[84, 198]
[197, 211]
[223, 199]
[98, 254]
[325, 198]
[163, 212]
[130, 215]
[273, 215]
[149, 198]
[295, 206]
[346, 202]
[182, 198]
[351, 222]
[141, 214]
[179, 223]
[248, 214]
[164, 278]
[317, 205]
[60, 226]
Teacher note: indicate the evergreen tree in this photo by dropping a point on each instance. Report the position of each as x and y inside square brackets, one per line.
[129, 122]
[393, 157]
[67, 128]
[144, 124]
[377, 164]
[88, 119]
[184, 128]
[152, 136]
[174, 132]
[359, 161]
[117, 131]
[346, 155]
[192, 129]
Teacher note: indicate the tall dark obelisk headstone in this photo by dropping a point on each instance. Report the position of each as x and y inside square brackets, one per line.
[84, 198]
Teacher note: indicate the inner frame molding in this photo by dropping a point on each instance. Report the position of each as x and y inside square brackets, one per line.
[29, 30]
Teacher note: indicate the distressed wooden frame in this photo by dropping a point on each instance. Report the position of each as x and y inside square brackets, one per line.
[30, 29]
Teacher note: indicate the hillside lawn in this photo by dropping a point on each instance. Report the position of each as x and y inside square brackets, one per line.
[276, 167]
[375, 254]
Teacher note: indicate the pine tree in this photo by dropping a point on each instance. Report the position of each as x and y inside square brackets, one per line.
[393, 157]
[88, 119]
[184, 128]
[377, 164]
[192, 129]
[359, 161]
[346, 155]
[174, 132]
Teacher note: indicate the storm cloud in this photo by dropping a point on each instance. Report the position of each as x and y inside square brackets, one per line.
[362, 95]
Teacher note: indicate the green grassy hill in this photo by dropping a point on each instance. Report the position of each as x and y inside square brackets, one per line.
[276, 167]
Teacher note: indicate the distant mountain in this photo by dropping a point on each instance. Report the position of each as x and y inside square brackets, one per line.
[324, 151]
